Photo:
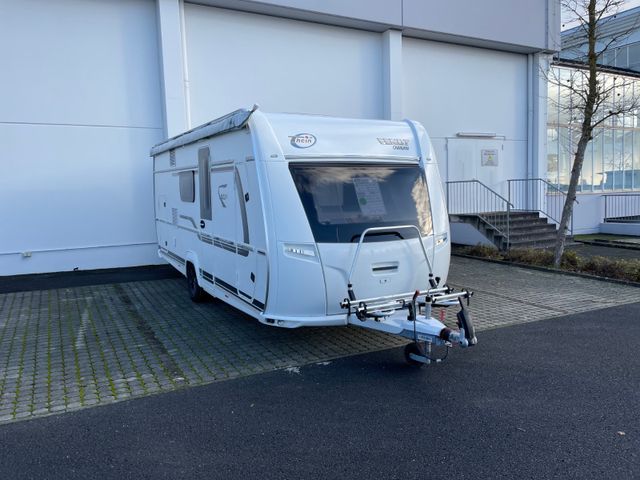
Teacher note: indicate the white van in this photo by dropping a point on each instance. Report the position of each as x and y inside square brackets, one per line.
[305, 220]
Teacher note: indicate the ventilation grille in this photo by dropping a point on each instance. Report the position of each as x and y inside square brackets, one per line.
[174, 216]
[172, 158]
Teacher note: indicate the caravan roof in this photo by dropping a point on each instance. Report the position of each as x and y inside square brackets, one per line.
[304, 135]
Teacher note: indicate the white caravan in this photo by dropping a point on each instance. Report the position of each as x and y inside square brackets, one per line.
[305, 220]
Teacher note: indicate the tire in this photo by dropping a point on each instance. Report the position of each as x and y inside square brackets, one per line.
[196, 293]
[415, 349]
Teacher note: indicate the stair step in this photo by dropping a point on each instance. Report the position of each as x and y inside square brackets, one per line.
[534, 239]
[523, 225]
[532, 235]
[544, 227]
[536, 245]
[502, 222]
[536, 230]
[515, 221]
[513, 214]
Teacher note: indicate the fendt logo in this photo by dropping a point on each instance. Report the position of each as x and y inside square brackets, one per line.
[303, 140]
[396, 143]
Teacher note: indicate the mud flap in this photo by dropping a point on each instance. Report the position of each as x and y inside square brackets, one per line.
[465, 322]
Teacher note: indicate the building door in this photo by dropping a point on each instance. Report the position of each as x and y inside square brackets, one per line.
[474, 159]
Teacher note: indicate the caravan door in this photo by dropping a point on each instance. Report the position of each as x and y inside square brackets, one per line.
[225, 211]
[246, 261]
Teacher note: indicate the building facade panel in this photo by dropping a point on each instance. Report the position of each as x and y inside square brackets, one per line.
[387, 12]
[237, 59]
[527, 24]
[80, 108]
[80, 63]
[456, 91]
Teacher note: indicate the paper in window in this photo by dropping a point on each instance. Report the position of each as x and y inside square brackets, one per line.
[369, 196]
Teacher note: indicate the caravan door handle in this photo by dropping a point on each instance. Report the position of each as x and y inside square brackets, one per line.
[201, 223]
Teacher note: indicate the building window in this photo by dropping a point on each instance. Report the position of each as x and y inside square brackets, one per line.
[187, 187]
[612, 158]
[634, 56]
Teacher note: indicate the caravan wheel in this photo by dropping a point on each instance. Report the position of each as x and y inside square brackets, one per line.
[196, 293]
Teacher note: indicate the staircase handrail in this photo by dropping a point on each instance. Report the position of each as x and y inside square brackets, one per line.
[508, 205]
[485, 186]
[546, 182]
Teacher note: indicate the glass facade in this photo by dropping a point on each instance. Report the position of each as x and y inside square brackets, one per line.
[625, 56]
[612, 159]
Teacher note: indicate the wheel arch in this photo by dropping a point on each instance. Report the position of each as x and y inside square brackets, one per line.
[192, 258]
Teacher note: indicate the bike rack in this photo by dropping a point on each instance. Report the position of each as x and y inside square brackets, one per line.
[384, 313]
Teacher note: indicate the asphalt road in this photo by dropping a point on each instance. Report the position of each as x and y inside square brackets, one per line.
[553, 399]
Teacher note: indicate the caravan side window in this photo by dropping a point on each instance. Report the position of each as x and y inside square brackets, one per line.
[187, 187]
[204, 181]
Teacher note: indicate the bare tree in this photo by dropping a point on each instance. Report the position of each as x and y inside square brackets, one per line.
[589, 99]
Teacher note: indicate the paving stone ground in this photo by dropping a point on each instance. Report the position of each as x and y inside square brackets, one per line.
[69, 348]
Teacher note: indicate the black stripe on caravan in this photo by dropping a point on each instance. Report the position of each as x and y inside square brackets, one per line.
[205, 239]
[226, 286]
[172, 255]
[258, 304]
[206, 276]
[230, 246]
[224, 244]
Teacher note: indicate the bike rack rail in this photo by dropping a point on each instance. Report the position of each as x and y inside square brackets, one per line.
[384, 314]
[385, 229]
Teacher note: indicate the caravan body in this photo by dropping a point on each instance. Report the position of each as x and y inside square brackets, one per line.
[286, 216]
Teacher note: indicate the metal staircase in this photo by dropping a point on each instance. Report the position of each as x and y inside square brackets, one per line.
[527, 218]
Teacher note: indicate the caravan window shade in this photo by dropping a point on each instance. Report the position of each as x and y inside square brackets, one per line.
[342, 200]
[204, 181]
[187, 187]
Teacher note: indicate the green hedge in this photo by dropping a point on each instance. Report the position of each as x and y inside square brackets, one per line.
[622, 269]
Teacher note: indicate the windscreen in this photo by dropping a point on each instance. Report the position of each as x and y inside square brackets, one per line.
[342, 200]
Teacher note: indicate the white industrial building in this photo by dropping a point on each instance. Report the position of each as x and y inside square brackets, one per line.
[89, 86]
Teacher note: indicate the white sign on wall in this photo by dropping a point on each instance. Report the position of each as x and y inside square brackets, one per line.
[489, 157]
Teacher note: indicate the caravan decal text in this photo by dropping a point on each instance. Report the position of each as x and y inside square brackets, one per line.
[303, 140]
[396, 143]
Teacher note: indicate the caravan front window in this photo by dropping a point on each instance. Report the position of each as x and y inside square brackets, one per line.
[342, 200]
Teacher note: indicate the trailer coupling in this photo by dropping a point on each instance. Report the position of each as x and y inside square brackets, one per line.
[409, 315]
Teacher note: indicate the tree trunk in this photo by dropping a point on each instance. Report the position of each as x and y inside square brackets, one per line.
[567, 210]
[586, 131]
